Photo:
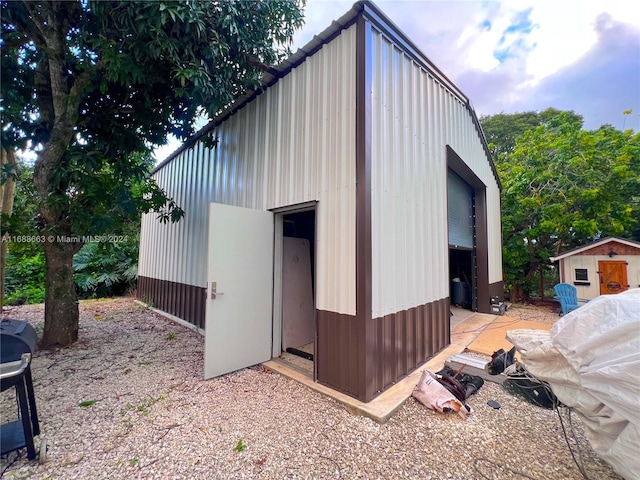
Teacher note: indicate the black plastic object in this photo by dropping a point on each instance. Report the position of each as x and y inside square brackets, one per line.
[300, 353]
[493, 404]
[460, 385]
[16, 337]
[530, 390]
[500, 360]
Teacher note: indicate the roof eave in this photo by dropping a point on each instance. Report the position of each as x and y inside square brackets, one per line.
[603, 241]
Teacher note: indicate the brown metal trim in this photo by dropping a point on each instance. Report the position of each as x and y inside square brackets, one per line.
[338, 352]
[407, 339]
[457, 165]
[186, 302]
[482, 253]
[366, 387]
[497, 290]
[402, 341]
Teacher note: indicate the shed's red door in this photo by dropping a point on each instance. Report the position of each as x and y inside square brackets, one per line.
[613, 276]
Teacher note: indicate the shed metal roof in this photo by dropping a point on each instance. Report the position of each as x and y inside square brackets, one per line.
[604, 241]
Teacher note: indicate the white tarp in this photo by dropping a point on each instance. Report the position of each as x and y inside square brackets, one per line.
[591, 359]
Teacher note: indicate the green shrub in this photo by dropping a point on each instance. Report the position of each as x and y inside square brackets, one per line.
[24, 280]
[104, 269]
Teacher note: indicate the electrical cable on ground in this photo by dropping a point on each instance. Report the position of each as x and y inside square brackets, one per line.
[488, 327]
[556, 406]
[579, 461]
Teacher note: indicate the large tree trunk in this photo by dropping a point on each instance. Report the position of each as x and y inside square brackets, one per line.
[518, 294]
[61, 312]
[7, 195]
[58, 96]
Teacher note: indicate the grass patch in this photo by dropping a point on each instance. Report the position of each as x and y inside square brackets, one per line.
[240, 446]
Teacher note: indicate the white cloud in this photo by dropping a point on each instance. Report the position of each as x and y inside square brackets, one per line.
[550, 53]
[521, 54]
[602, 83]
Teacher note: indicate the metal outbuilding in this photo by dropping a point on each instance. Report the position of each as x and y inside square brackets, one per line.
[336, 206]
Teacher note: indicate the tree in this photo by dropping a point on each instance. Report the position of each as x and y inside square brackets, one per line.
[502, 129]
[25, 264]
[8, 174]
[104, 266]
[109, 266]
[89, 86]
[565, 187]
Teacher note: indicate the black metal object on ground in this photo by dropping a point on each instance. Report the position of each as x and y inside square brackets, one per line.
[528, 388]
[300, 353]
[17, 343]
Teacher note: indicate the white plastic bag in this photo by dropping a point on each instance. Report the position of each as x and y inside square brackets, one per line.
[432, 395]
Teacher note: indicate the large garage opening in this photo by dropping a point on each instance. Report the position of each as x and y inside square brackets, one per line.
[462, 245]
[298, 322]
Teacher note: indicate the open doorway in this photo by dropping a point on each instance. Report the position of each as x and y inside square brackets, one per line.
[298, 323]
[461, 278]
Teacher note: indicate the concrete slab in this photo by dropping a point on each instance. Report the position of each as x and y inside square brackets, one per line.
[382, 408]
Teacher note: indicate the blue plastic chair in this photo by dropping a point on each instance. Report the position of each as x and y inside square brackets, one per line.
[567, 295]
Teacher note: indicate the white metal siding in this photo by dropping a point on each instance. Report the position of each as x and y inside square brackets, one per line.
[414, 118]
[294, 143]
[590, 262]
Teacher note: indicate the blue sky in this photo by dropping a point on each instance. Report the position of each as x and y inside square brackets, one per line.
[519, 55]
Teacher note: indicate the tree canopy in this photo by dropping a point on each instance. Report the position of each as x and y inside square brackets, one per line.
[90, 86]
[563, 187]
[502, 129]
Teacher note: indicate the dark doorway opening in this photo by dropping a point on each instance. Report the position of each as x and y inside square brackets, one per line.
[462, 278]
[298, 290]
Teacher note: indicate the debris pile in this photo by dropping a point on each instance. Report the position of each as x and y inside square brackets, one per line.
[447, 391]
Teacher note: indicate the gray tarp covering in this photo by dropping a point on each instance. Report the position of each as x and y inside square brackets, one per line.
[591, 359]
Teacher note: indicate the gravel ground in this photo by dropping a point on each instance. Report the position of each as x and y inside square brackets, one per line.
[154, 417]
[544, 312]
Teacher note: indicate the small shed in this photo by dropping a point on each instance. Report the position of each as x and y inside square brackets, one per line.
[331, 214]
[609, 265]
